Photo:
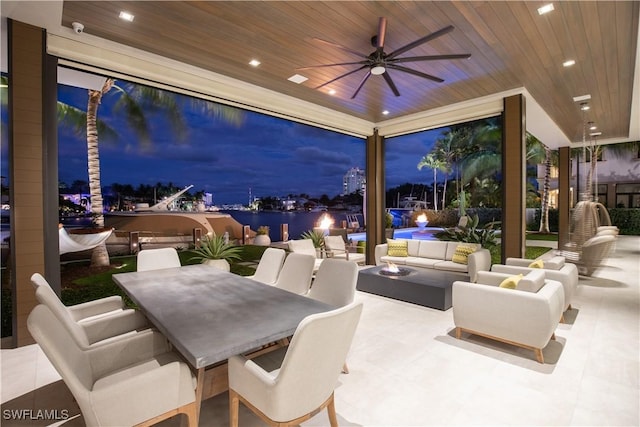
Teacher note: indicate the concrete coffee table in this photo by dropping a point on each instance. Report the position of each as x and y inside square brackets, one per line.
[426, 287]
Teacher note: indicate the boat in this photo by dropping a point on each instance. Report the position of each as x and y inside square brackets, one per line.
[319, 208]
[158, 224]
[403, 212]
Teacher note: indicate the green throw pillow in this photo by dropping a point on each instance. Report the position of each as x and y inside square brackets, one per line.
[461, 255]
[511, 282]
[397, 248]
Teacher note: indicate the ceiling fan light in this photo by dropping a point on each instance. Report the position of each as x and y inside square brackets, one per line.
[377, 70]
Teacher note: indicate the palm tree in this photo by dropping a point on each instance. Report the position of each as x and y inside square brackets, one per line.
[435, 164]
[133, 99]
[538, 153]
[448, 149]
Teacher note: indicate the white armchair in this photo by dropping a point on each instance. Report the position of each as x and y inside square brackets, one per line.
[305, 382]
[336, 248]
[269, 266]
[95, 330]
[555, 269]
[126, 382]
[526, 316]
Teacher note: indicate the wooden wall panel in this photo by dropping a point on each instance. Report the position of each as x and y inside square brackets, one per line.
[513, 177]
[26, 54]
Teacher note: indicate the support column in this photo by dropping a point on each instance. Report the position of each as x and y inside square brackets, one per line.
[375, 194]
[564, 195]
[513, 177]
[27, 53]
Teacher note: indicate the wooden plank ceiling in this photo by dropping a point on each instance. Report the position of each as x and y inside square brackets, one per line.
[510, 44]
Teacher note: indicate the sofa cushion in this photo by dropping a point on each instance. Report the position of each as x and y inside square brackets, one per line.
[413, 247]
[536, 264]
[462, 252]
[511, 282]
[416, 261]
[532, 281]
[555, 263]
[397, 248]
[432, 249]
[451, 266]
[401, 260]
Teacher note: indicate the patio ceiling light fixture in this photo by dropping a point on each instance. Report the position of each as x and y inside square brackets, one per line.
[254, 62]
[568, 63]
[126, 16]
[545, 9]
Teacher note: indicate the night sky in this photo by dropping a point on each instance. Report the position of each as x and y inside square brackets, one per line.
[270, 156]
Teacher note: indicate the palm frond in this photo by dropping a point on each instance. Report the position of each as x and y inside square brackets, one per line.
[76, 119]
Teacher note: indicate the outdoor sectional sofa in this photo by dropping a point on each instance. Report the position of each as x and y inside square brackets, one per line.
[429, 254]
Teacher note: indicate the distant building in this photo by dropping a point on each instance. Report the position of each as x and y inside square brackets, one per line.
[354, 180]
[616, 182]
[208, 199]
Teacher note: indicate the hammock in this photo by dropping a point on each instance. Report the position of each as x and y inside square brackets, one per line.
[81, 242]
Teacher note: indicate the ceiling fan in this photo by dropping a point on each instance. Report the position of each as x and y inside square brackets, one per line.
[379, 62]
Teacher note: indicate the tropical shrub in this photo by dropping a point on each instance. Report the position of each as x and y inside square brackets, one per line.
[472, 233]
[216, 248]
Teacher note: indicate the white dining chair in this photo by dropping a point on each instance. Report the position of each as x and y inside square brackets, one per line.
[304, 383]
[155, 259]
[335, 284]
[296, 273]
[305, 246]
[96, 330]
[137, 381]
[89, 310]
[269, 266]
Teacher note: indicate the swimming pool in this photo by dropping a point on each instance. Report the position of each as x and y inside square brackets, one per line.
[427, 233]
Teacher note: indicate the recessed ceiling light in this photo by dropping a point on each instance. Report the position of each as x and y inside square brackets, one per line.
[568, 63]
[126, 16]
[545, 9]
[584, 106]
[297, 78]
[385, 112]
[332, 91]
[581, 98]
[592, 126]
[254, 62]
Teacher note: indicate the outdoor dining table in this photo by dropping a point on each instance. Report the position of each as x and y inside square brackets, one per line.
[209, 315]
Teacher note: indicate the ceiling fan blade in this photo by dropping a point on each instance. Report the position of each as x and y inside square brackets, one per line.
[338, 46]
[341, 76]
[420, 41]
[392, 85]
[331, 65]
[415, 73]
[364, 80]
[431, 57]
[382, 30]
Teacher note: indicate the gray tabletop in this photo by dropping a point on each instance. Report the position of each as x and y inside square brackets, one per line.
[210, 315]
